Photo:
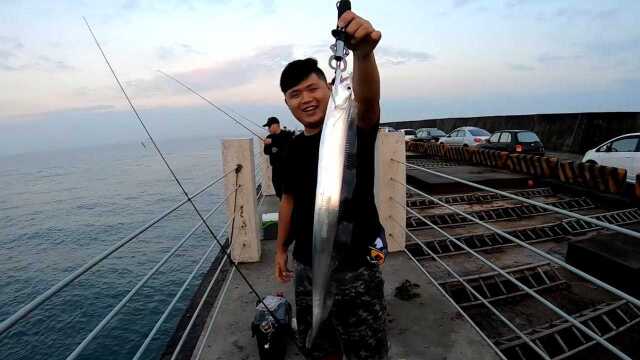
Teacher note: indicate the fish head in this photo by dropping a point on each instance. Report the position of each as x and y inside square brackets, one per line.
[342, 91]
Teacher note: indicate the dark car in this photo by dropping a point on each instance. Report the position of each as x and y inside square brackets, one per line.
[429, 134]
[515, 141]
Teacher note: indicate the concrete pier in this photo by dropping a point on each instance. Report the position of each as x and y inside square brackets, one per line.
[428, 327]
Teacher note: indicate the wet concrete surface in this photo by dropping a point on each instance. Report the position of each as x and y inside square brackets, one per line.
[434, 184]
[428, 327]
[524, 311]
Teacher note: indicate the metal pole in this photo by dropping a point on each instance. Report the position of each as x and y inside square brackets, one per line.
[474, 292]
[553, 259]
[557, 310]
[215, 312]
[473, 324]
[457, 307]
[164, 316]
[141, 283]
[531, 202]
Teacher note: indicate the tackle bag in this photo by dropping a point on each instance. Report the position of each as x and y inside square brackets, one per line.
[271, 334]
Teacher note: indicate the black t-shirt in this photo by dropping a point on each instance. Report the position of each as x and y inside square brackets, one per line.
[278, 147]
[300, 178]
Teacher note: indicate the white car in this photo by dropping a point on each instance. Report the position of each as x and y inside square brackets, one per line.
[621, 152]
[409, 134]
[466, 136]
[386, 129]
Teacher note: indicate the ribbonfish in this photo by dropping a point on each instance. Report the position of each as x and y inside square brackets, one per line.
[334, 190]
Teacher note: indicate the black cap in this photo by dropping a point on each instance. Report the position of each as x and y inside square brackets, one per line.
[272, 120]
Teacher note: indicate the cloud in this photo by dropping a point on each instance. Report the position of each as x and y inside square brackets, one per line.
[11, 43]
[168, 53]
[548, 58]
[629, 46]
[521, 67]
[66, 111]
[9, 47]
[13, 57]
[225, 76]
[580, 14]
[517, 3]
[462, 3]
[240, 71]
[395, 56]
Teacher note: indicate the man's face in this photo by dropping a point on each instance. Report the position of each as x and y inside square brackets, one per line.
[308, 101]
[274, 128]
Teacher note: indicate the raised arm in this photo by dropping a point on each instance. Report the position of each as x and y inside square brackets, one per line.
[366, 79]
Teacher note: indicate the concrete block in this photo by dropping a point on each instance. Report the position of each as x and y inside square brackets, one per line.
[246, 240]
[391, 146]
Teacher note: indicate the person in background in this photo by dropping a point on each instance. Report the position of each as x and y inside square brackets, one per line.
[275, 145]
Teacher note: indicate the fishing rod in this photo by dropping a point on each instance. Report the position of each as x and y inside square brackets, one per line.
[179, 183]
[210, 103]
[245, 118]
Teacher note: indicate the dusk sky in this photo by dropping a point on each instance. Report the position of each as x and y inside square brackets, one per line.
[437, 58]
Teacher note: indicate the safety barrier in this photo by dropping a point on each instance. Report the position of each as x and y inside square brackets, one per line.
[597, 177]
[526, 164]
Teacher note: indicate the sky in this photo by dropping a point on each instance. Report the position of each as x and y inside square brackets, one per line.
[437, 58]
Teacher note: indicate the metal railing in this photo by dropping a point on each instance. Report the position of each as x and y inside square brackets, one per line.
[224, 256]
[536, 346]
[143, 281]
[41, 299]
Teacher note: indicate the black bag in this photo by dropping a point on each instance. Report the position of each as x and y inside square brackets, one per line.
[271, 334]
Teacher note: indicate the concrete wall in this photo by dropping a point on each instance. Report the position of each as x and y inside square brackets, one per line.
[571, 132]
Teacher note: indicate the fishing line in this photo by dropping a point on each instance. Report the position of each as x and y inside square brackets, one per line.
[245, 118]
[179, 183]
[210, 103]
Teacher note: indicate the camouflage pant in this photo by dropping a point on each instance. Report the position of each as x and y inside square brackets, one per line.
[356, 325]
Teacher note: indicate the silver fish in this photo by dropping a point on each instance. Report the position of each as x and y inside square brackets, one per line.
[334, 189]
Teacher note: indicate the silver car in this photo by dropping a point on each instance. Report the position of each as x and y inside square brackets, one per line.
[466, 136]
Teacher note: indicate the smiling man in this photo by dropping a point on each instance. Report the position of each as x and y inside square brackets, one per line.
[355, 326]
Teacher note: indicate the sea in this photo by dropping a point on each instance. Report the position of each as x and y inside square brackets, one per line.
[59, 209]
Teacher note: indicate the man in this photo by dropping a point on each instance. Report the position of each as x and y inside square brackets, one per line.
[275, 145]
[355, 326]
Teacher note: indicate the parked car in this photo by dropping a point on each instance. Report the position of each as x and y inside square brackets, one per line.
[409, 134]
[621, 152]
[386, 129]
[466, 136]
[515, 141]
[429, 134]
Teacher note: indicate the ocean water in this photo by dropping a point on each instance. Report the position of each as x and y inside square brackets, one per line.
[60, 209]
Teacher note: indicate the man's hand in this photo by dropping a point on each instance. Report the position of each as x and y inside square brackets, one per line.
[283, 274]
[267, 141]
[364, 38]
